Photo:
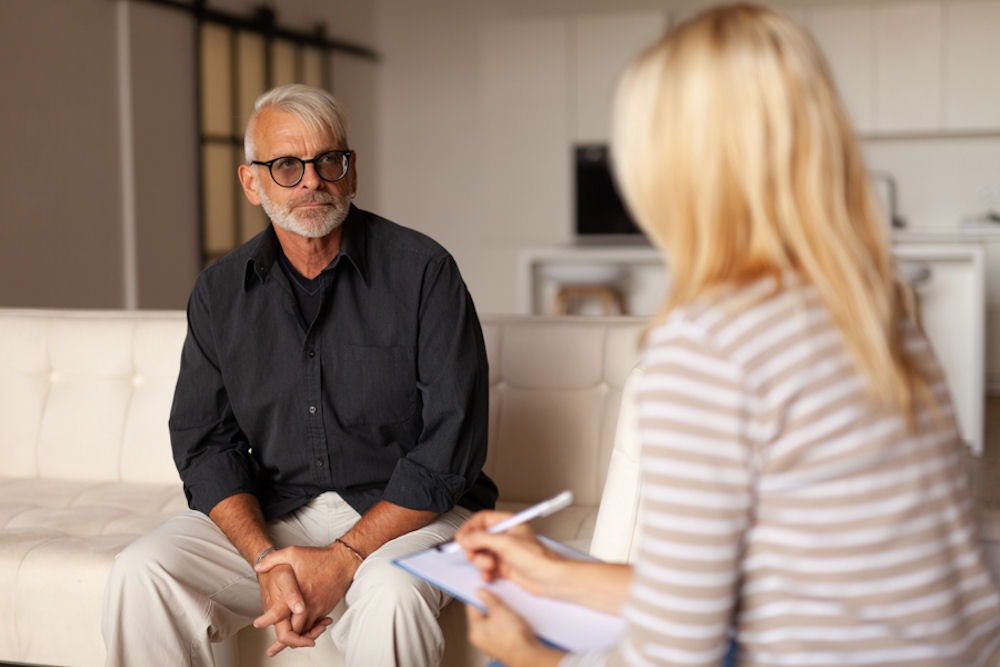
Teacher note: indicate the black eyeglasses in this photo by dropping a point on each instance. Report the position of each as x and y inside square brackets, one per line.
[287, 171]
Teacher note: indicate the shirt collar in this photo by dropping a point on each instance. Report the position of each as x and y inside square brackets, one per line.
[353, 247]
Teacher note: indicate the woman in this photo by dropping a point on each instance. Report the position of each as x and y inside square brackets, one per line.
[803, 486]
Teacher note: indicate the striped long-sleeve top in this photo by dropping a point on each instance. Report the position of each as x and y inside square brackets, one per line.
[781, 504]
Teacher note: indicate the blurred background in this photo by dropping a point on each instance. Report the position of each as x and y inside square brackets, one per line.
[121, 124]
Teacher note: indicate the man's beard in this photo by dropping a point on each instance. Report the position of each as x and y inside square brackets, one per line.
[312, 223]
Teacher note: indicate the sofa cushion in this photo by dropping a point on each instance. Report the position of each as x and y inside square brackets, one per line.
[59, 538]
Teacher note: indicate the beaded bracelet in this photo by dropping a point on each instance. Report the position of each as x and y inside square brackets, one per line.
[354, 552]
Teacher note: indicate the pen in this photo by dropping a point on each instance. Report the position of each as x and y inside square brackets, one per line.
[544, 508]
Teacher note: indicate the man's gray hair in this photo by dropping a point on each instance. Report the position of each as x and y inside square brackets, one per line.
[318, 110]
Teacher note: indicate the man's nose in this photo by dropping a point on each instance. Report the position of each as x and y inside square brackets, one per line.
[310, 177]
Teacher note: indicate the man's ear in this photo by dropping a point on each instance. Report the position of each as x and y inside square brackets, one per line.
[248, 179]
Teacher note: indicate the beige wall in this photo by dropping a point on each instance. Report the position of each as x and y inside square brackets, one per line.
[60, 208]
[78, 226]
[165, 256]
[418, 120]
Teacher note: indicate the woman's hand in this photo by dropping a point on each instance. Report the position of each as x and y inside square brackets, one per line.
[501, 633]
[517, 554]
[520, 556]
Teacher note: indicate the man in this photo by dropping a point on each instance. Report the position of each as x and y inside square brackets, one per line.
[330, 415]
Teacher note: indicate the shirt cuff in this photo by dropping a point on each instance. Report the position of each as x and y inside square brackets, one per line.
[418, 488]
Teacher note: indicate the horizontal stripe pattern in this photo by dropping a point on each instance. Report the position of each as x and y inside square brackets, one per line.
[780, 501]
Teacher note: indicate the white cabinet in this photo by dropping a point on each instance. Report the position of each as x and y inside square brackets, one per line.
[547, 83]
[952, 309]
[844, 32]
[603, 45]
[539, 72]
[908, 67]
[951, 294]
[644, 275]
[914, 67]
[972, 77]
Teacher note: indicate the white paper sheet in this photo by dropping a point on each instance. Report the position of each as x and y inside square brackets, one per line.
[568, 626]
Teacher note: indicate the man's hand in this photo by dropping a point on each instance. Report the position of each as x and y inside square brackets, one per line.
[300, 587]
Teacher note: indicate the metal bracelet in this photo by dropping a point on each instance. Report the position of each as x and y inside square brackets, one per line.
[354, 552]
[264, 553]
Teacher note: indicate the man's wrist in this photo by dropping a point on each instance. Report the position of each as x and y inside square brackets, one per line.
[263, 553]
[354, 552]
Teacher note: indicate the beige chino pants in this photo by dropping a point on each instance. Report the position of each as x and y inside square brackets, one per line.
[174, 591]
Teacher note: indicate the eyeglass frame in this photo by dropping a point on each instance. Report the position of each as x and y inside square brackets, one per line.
[345, 155]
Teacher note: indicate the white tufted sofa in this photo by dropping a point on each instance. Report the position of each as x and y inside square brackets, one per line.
[85, 462]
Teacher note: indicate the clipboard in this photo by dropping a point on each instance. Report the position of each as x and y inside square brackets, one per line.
[563, 624]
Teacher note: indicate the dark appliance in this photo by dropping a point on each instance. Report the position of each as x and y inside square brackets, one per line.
[601, 215]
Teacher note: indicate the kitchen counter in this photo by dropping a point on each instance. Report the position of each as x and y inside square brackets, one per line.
[947, 270]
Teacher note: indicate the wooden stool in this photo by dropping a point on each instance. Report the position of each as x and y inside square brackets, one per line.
[612, 299]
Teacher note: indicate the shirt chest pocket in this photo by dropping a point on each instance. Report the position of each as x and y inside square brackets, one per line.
[376, 385]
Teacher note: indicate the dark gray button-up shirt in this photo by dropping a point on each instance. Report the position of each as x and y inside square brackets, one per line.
[383, 397]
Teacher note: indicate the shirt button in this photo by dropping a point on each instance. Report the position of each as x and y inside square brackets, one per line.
[312, 353]
[319, 463]
[312, 409]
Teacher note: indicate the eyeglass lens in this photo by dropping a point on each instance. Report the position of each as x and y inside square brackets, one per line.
[288, 171]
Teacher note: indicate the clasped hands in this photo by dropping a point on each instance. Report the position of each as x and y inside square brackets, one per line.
[299, 587]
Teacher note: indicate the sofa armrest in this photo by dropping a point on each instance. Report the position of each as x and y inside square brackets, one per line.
[616, 531]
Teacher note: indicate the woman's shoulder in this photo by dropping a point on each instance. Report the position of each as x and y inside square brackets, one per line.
[732, 307]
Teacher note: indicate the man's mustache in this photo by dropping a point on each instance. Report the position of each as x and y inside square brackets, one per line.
[316, 198]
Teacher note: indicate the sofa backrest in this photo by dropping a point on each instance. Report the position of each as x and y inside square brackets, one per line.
[86, 395]
[555, 388]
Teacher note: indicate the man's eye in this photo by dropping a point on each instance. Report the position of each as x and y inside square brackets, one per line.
[287, 163]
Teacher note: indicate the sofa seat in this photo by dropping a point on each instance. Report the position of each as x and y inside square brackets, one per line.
[59, 538]
[85, 463]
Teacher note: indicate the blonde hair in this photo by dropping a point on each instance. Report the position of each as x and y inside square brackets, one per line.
[736, 156]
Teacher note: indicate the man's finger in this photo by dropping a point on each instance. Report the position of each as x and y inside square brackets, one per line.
[269, 617]
[291, 595]
[321, 625]
[275, 648]
[299, 620]
[287, 637]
